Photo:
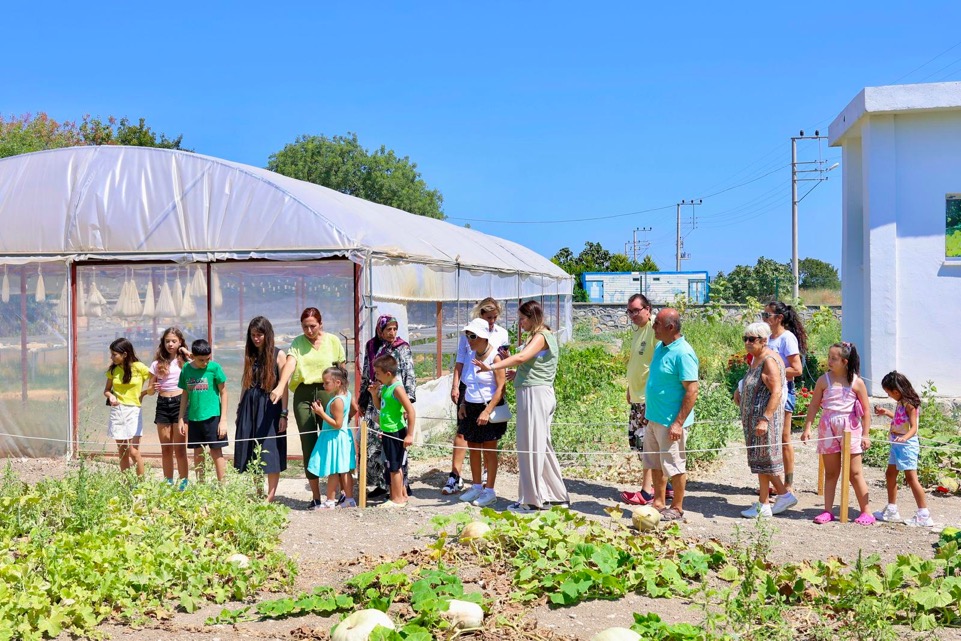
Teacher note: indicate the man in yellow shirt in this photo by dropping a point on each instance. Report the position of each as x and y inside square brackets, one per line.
[638, 368]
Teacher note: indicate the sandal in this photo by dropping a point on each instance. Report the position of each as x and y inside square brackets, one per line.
[823, 517]
[633, 498]
[671, 514]
[866, 518]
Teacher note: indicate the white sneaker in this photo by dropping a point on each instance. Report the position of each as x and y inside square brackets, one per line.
[889, 515]
[757, 510]
[486, 497]
[472, 493]
[783, 502]
[919, 521]
[454, 485]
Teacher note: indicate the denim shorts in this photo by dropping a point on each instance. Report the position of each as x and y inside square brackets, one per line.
[790, 400]
[904, 456]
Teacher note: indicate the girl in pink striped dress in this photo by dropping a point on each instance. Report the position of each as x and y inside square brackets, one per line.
[842, 397]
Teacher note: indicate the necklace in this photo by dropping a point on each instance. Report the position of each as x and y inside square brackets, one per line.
[486, 352]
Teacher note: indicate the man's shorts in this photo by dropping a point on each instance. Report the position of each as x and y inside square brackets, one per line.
[636, 423]
[904, 456]
[660, 452]
[395, 454]
[200, 433]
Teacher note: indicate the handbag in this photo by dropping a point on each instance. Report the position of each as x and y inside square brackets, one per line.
[501, 413]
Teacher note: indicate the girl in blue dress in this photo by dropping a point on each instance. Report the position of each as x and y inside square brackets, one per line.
[334, 453]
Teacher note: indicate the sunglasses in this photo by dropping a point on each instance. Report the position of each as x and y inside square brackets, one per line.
[470, 336]
[751, 339]
[767, 315]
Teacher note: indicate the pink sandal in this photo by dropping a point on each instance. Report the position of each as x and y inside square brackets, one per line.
[866, 518]
[823, 517]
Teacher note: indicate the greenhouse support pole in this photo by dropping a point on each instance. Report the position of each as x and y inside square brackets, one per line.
[23, 335]
[439, 365]
[362, 444]
[210, 309]
[240, 309]
[74, 375]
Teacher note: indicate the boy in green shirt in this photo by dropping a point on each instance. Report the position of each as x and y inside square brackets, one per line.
[389, 395]
[204, 404]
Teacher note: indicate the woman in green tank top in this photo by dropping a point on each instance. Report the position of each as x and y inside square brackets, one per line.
[540, 483]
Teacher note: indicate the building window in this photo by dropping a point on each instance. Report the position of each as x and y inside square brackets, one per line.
[952, 226]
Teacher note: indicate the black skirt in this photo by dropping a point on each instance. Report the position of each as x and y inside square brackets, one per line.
[474, 433]
[258, 418]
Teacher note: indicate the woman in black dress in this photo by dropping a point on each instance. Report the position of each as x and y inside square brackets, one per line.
[257, 417]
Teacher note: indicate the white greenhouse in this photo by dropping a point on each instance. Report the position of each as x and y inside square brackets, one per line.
[102, 242]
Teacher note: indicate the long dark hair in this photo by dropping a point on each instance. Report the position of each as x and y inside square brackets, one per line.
[850, 353]
[896, 381]
[791, 321]
[163, 357]
[123, 346]
[260, 358]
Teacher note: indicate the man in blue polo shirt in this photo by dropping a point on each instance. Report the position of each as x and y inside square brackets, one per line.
[671, 393]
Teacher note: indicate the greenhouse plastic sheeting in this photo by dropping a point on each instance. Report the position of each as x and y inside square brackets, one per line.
[135, 203]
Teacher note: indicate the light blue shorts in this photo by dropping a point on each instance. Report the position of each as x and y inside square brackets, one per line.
[904, 456]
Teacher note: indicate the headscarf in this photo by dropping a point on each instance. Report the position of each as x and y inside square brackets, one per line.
[377, 346]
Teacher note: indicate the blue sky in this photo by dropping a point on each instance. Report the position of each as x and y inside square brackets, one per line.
[535, 112]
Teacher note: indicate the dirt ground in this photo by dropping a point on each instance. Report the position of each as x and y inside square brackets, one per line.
[326, 543]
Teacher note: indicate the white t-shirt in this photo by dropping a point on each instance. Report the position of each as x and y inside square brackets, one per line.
[499, 337]
[480, 385]
[786, 345]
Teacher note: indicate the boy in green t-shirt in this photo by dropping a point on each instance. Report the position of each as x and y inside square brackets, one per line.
[390, 396]
[204, 404]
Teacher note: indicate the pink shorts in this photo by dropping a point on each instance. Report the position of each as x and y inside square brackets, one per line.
[831, 434]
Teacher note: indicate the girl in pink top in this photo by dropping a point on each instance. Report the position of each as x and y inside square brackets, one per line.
[841, 397]
[164, 375]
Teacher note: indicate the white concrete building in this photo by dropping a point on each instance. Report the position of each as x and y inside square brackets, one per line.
[660, 288]
[901, 285]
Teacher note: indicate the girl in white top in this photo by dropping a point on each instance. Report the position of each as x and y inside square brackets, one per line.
[164, 374]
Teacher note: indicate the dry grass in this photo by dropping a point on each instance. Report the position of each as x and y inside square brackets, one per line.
[817, 297]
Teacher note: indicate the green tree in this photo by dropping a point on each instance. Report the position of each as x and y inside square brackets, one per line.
[648, 265]
[817, 274]
[341, 163]
[24, 134]
[764, 281]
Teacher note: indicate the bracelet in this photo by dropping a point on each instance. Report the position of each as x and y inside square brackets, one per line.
[283, 413]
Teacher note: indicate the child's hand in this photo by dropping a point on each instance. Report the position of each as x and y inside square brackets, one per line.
[317, 408]
[900, 439]
[221, 429]
[806, 434]
[880, 411]
[112, 400]
[408, 440]
[865, 442]
[374, 388]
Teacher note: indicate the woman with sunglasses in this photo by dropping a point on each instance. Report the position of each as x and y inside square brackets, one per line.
[789, 340]
[762, 418]
[488, 310]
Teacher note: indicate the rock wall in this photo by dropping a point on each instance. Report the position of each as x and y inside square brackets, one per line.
[611, 317]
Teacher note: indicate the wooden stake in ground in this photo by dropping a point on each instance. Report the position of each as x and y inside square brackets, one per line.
[845, 475]
[820, 475]
[362, 463]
